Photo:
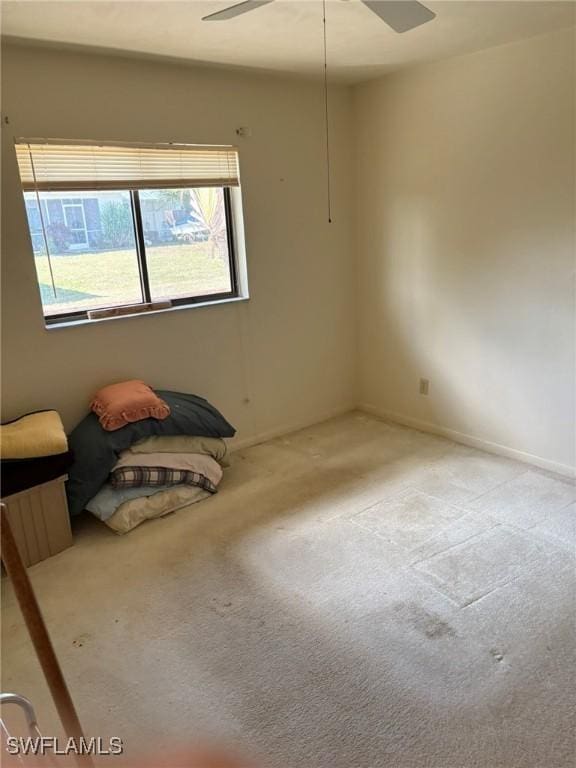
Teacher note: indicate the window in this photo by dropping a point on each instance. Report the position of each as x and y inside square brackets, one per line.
[120, 230]
[75, 221]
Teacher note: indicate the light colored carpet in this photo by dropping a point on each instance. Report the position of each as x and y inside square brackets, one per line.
[358, 595]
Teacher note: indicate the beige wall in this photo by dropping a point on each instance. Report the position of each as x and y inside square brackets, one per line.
[288, 350]
[466, 245]
[464, 260]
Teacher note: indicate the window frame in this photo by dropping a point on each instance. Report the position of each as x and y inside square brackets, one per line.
[140, 245]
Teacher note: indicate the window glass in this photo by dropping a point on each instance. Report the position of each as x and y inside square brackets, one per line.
[185, 234]
[91, 252]
[34, 218]
[92, 248]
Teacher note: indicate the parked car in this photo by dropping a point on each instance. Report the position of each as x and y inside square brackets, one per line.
[190, 232]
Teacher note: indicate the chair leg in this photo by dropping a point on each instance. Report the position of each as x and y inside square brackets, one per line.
[40, 638]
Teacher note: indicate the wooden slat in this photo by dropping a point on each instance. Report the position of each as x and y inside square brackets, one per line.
[14, 512]
[40, 527]
[59, 533]
[29, 531]
[40, 520]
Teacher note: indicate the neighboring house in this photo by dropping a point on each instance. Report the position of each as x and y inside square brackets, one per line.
[74, 221]
[78, 213]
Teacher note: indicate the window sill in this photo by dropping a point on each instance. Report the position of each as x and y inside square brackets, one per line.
[178, 308]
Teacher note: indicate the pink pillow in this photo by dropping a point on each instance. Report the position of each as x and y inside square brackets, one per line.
[120, 404]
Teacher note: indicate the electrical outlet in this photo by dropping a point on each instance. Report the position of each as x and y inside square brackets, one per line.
[424, 386]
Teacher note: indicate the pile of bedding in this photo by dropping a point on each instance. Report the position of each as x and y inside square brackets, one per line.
[148, 467]
[156, 476]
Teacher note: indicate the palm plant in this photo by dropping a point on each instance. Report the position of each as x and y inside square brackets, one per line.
[207, 206]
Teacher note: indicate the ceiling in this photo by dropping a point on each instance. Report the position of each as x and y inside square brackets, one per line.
[285, 36]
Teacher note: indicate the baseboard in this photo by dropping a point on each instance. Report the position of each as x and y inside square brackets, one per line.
[424, 426]
[475, 442]
[238, 444]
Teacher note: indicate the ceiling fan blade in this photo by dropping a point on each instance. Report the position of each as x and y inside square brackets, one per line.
[401, 15]
[236, 10]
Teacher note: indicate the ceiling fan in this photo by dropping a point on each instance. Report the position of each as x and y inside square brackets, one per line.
[401, 15]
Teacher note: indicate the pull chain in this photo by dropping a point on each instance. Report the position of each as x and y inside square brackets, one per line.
[328, 182]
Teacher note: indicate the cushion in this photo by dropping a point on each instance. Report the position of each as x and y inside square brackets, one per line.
[96, 451]
[119, 404]
[108, 499]
[20, 474]
[188, 462]
[136, 477]
[211, 446]
[32, 436]
[132, 513]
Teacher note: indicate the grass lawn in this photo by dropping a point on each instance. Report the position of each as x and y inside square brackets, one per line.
[108, 278]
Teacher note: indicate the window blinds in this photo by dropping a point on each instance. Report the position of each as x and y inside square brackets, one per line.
[51, 166]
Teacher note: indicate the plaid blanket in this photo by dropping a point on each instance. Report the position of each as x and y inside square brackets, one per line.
[134, 477]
